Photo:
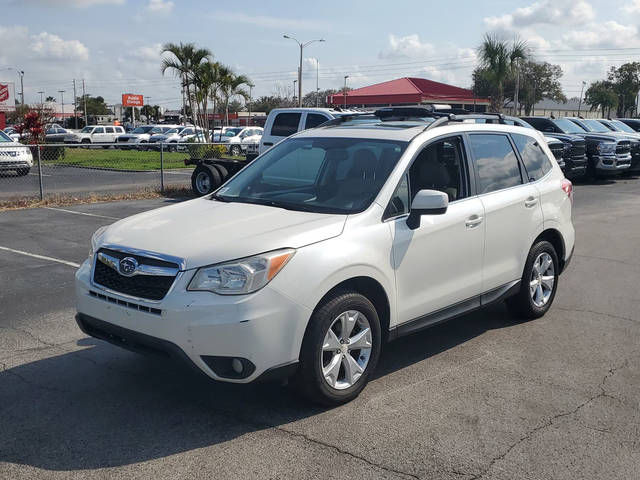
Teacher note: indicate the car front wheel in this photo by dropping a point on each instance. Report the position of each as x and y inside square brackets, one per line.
[236, 150]
[538, 284]
[340, 349]
[22, 171]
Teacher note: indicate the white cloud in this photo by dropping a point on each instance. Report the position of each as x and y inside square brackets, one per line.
[76, 3]
[547, 12]
[161, 7]
[264, 21]
[633, 7]
[147, 54]
[602, 35]
[408, 46]
[46, 45]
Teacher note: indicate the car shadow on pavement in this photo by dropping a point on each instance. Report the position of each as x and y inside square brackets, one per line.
[105, 407]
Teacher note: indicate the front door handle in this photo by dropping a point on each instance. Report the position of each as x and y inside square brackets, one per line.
[473, 221]
[530, 202]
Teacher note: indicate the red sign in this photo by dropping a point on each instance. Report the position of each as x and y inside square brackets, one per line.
[4, 92]
[131, 100]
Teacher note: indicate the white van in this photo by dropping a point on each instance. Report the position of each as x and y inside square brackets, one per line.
[283, 122]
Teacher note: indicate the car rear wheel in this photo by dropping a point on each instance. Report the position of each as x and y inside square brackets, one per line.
[205, 179]
[340, 349]
[236, 151]
[538, 284]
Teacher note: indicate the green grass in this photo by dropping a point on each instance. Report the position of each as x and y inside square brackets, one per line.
[120, 159]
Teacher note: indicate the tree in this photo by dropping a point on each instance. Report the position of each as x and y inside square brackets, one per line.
[268, 103]
[625, 81]
[184, 60]
[128, 114]
[309, 100]
[50, 99]
[538, 80]
[95, 105]
[231, 86]
[497, 61]
[235, 106]
[601, 95]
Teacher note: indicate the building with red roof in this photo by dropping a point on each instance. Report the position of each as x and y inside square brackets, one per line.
[410, 91]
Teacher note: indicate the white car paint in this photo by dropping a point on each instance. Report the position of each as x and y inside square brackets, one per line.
[95, 134]
[14, 156]
[445, 261]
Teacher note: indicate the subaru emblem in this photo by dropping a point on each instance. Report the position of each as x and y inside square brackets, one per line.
[128, 266]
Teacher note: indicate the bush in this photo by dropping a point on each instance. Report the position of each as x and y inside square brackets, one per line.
[198, 151]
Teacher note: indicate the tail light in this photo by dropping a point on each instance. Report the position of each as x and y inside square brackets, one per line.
[567, 187]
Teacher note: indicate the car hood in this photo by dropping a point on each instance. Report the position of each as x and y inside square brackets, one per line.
[599, 137]
[566, 137]
[204, 232]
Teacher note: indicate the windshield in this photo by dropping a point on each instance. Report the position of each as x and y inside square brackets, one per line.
[567, 126]
[157, 130]
[142, 129]
[622, 126]
[232, 132]
[323, 175]
[173, 130]
[86, 130]
[595, 126]
[4, 137]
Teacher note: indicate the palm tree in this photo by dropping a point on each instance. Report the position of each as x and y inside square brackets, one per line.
[207, 80]
[184, 60]
[231, 85]
[498, 59]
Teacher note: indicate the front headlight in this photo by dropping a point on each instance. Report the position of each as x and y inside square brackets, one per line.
[95, 239]
[242, 276]
[607, 148]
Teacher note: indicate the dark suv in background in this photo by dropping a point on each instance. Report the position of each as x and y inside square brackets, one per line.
[607, 153]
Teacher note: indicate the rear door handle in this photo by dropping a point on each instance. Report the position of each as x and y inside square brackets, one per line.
[473, 221]
[530, 202]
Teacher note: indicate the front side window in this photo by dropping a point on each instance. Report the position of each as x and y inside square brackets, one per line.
[535, 160]
[496, 163]
[314, 119]
[4, 138]
[324, 175]
[440, 166]
[285, 124]
[86, 130]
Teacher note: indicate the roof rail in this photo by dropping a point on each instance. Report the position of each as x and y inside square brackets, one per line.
[441, 121]
[461, 118]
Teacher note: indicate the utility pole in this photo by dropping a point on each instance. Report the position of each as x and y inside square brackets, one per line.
[61, 92]
[41, 98]
[317, 81]
[294, 91]
[301, 45]
[75, 105]
[515, 97]
[84, 98]
[344, 92]
[251, 85]
[580, 101]
[21, 72]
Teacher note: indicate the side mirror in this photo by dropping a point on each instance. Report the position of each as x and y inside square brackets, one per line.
[427, 202]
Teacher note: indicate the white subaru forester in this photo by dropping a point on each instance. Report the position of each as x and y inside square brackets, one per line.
[333, 242]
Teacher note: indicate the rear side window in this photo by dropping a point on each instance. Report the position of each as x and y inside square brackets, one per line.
[99, 130]
[314, 119]
[285, 124]
[496, 163]
[109, 129]
[535, 160]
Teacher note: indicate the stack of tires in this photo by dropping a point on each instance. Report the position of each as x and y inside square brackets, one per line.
[208, 177]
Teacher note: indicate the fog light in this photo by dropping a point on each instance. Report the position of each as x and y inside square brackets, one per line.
[237, 366]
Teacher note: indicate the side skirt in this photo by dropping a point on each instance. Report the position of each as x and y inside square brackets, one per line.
[456, 310]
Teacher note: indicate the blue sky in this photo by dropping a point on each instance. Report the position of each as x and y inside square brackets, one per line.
[114, 44]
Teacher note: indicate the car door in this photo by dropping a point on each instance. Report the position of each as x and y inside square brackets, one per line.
[438, 264]
[110, 134]
[98, 135]
[513, 215]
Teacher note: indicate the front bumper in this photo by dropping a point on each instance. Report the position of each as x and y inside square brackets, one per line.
[266, 327]
[18, 164]
[612, 164]
[575, 166]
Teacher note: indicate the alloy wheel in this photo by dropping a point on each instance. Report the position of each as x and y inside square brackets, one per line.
[542, 279]
[203, 183]
[346, 349]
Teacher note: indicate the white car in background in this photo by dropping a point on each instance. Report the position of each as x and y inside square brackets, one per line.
[238, 139]
[95, 134]
[174, 136]
[139, 137]
[14, 156]
[11, 133]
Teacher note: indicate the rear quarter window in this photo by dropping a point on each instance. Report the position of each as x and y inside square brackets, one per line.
[496, 163]
[535, 160]
[285, 124]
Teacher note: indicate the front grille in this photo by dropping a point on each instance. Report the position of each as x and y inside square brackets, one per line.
[557, 149]
[578, 149]
[152, 287]
[623, 147]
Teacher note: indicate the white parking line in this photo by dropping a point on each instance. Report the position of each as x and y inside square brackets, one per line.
[82, 213]
[177, 173]
[35, 174]
[41, 257]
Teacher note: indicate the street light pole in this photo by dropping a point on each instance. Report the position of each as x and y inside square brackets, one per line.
[41, 100]
[294, 90]
[317, 81]
[344, 92]
[61, 92]
[580, 101]
[301, 45]
[251, 85]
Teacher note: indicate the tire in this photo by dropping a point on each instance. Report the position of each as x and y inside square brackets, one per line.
[22, 171]
[236, 151]
[224, 173]
[529, 303]
[205, 179]
[309, 380]
[173, 148]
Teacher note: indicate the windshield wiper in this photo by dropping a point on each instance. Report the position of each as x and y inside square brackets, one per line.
[215, 196]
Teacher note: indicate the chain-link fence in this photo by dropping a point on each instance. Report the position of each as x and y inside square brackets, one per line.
[51, 171]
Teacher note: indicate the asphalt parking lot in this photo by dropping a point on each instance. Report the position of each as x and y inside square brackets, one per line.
[66, 180]
[479, 397]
